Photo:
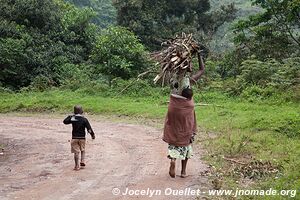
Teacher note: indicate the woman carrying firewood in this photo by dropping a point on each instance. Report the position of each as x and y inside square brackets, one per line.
[180, 123]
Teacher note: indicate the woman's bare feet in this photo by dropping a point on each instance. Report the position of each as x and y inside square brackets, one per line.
[76, 168]
[172, 168]
[82, 164]
[183, 175]
[183, 168]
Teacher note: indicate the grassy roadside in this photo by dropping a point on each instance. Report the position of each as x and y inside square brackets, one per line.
[231, 128]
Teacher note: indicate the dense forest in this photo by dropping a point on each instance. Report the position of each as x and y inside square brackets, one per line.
[54, 43]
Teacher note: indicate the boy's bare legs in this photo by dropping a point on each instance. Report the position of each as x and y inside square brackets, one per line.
[76, 158]
[183, 168]
[172, 168]
[82, 163]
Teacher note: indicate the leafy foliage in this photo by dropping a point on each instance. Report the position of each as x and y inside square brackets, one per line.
[118, 53]
[105, 11]
[53, 43]
[38, 36]
[222, 39]
[273, 33]
[154, 21]
[269, 74]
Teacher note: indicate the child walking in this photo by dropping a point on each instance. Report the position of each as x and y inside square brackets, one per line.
[79, 124]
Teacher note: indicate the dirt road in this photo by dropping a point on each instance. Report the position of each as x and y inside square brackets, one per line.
[37, 162]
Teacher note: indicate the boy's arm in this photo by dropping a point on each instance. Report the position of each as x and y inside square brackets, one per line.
[68, 120]
[89, 129]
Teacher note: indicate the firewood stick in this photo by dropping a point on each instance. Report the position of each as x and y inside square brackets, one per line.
[234, 161]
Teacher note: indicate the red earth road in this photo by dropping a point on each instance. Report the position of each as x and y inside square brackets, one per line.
[37, 162]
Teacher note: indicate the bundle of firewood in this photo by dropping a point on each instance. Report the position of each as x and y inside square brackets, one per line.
[175, 60]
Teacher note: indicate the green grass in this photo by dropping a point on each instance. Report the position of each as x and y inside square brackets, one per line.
[232, 127]
[63, 101]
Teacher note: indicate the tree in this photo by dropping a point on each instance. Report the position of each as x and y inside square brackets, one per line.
[42, 15]
[37, 37]
[26, 29]
[118, 53]
[13, 62]
[156, 20]
[273, 33]
[105, 13]
[78, 31]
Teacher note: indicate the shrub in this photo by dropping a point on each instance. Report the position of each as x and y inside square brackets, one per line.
[40, 83]
[72, 76]
[118, 53]
[290, 127]
[255, 72]
[258, 92]
[264, 79]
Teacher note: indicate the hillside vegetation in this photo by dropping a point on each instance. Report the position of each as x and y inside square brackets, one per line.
[54, 54]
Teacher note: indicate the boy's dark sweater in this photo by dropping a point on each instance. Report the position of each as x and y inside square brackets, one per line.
[79, 123]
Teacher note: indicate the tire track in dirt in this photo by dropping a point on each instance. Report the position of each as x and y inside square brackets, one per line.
[38, 164]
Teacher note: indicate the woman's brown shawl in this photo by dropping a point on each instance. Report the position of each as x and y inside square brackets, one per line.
[180, 122]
